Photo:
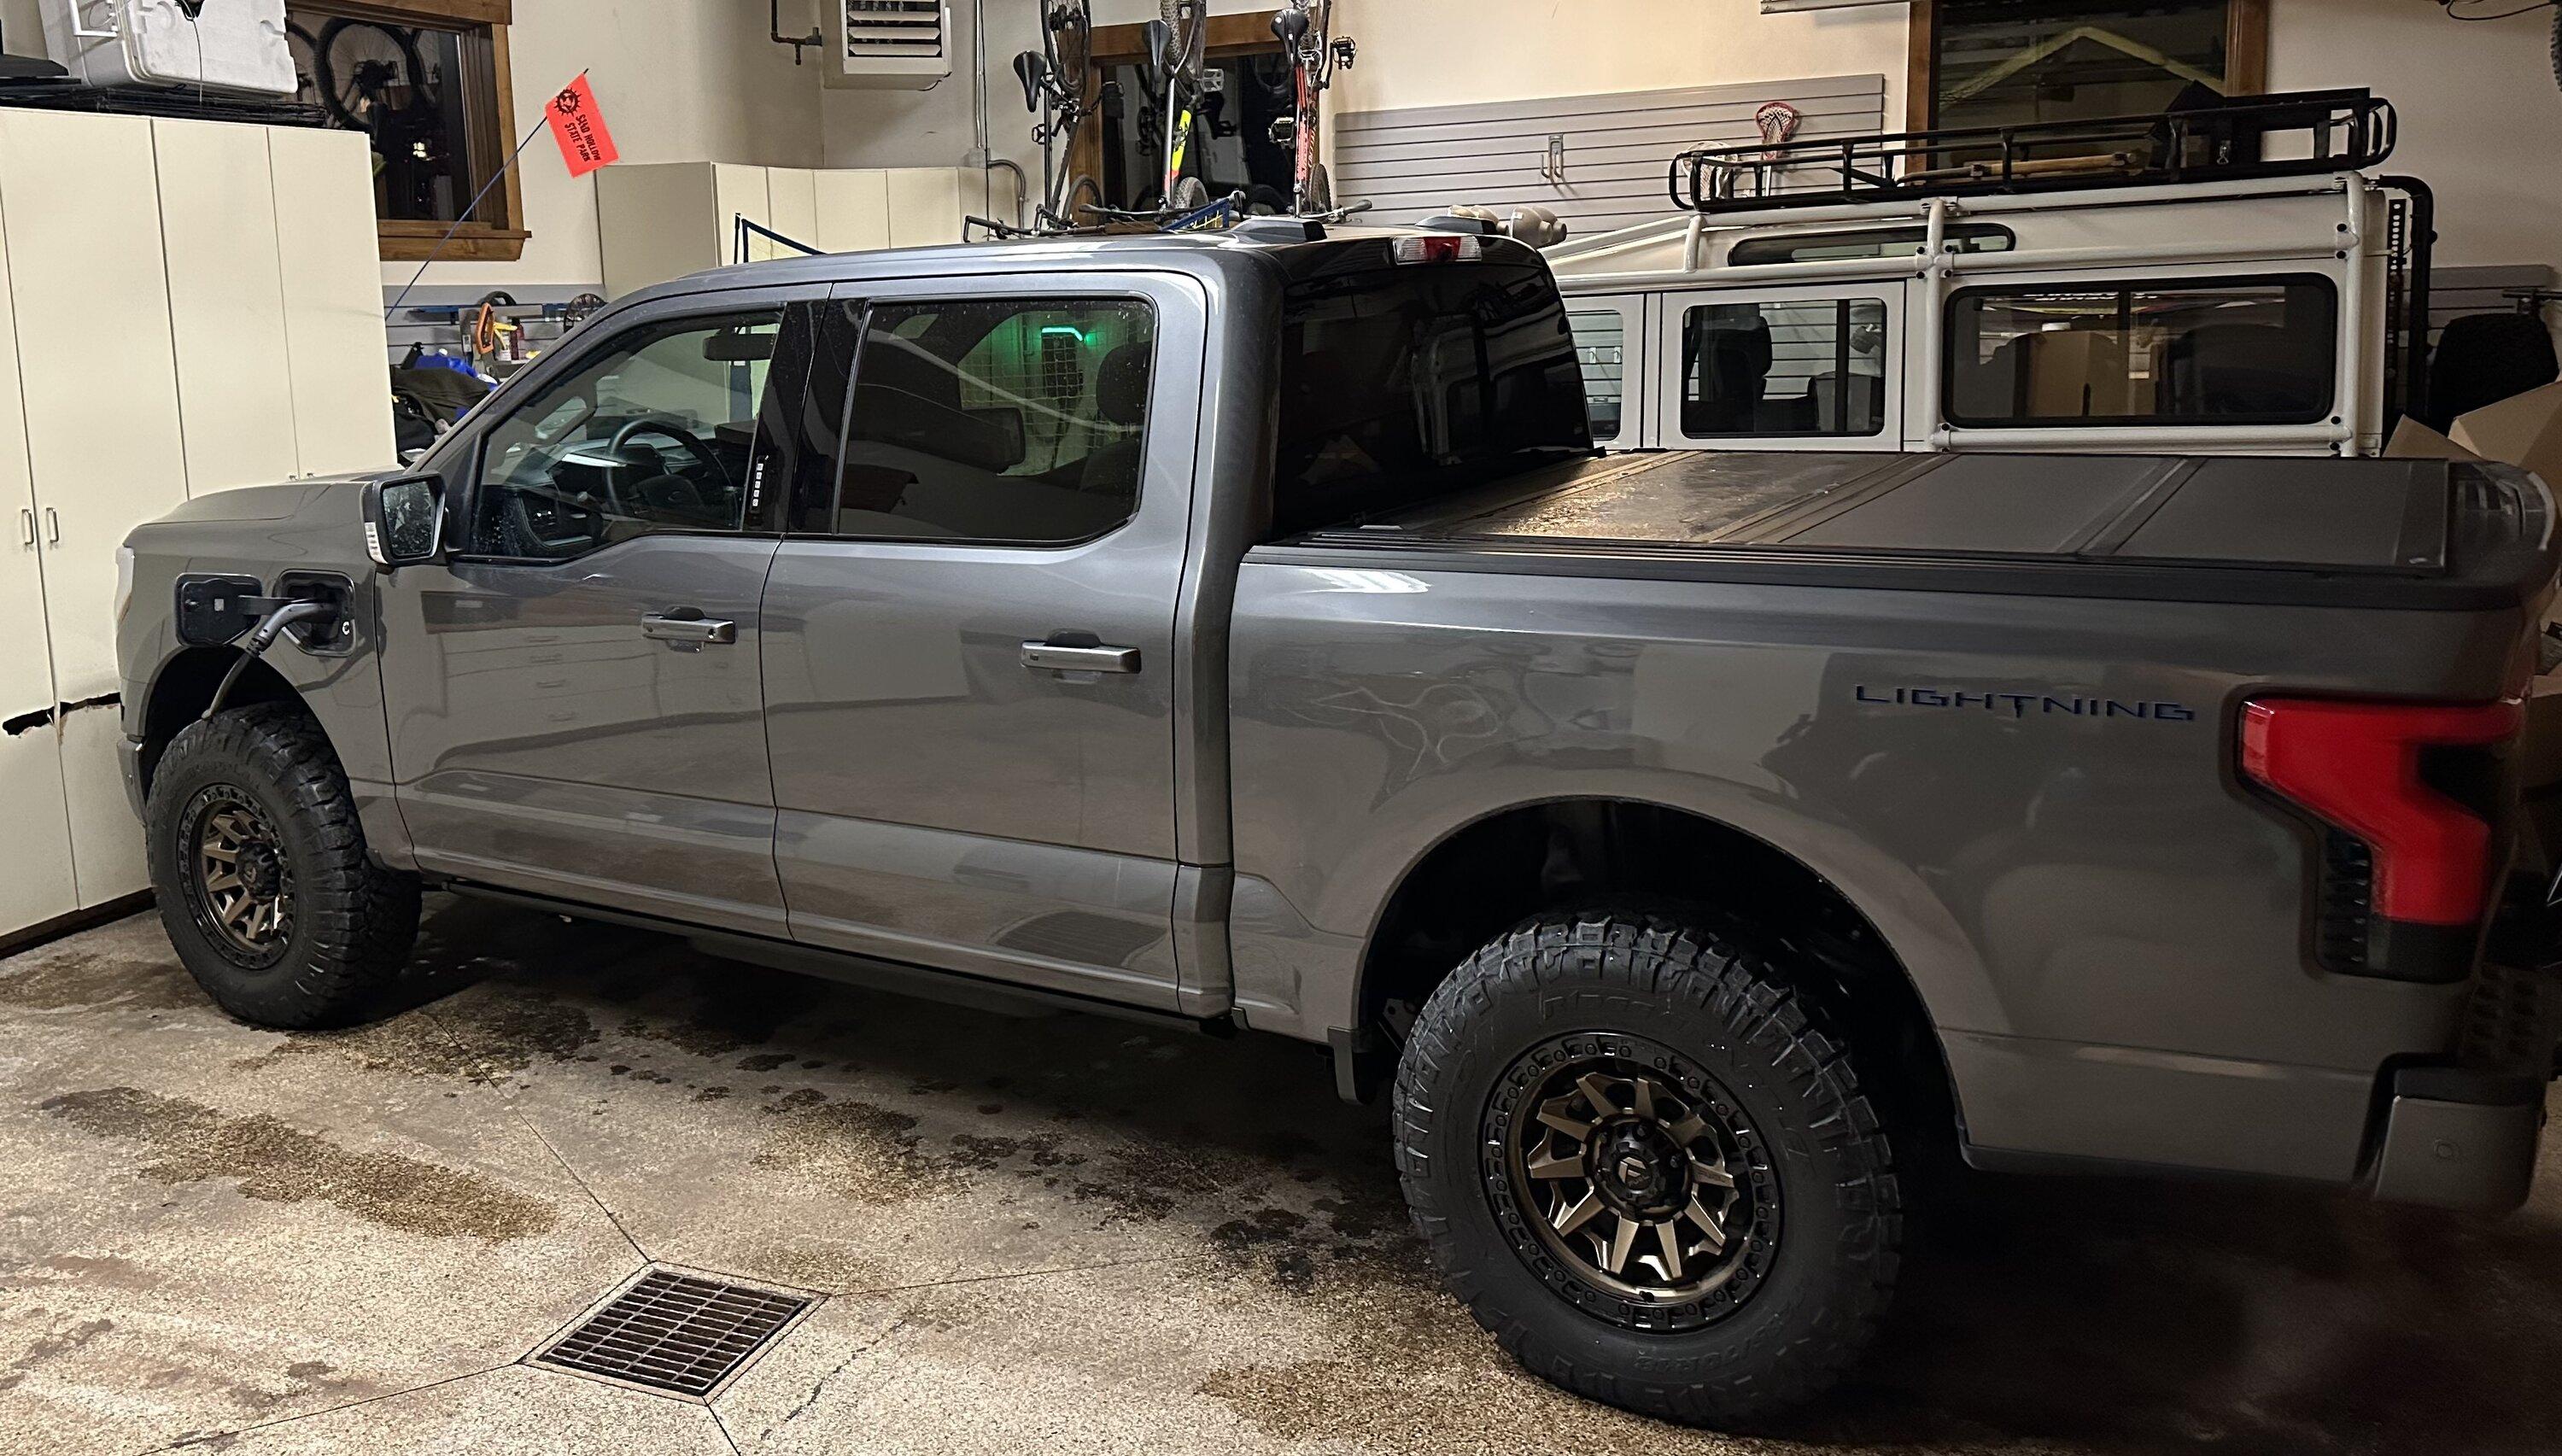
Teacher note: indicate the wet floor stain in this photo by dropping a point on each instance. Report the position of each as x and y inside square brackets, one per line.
[855, 1148]
[60, 1338]
[61, 979]
[271, 1161]
[478, 1038]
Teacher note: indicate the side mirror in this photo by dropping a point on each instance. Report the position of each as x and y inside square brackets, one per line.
[405, 521]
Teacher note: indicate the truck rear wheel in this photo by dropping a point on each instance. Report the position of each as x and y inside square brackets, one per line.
[1643, 1161]
[262, 874]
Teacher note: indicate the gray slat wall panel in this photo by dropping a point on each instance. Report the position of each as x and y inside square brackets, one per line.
[2475, 288]
[1417, 161]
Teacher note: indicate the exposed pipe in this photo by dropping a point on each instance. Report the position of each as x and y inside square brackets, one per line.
[983, 152]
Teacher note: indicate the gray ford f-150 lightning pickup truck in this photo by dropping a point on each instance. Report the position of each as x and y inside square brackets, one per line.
[1240, 629]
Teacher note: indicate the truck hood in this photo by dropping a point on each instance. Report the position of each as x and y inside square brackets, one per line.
[268, 502]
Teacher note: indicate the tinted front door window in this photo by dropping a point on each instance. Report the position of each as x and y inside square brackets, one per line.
[657, 432]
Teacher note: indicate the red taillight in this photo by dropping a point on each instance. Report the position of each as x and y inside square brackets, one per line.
[1440, 248]
[2357, 767]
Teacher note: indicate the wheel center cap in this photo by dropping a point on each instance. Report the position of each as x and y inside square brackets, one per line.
[1633, 1172]
[259, 870]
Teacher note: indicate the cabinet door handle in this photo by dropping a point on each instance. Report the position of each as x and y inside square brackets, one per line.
[27, 524]
[53, 526]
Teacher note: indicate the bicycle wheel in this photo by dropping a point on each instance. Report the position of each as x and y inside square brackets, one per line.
[358, 63]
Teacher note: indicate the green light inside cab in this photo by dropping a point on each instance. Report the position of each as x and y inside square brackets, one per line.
[1065, 331]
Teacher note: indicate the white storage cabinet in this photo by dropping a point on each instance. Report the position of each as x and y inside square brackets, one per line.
[185, 306]
[665, 220]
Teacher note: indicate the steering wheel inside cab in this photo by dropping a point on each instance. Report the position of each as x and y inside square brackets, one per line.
[632, 475]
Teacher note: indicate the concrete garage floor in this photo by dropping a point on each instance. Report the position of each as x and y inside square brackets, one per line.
[1033, 1235]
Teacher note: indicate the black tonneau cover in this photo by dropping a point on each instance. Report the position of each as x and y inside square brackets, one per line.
[2273, 529]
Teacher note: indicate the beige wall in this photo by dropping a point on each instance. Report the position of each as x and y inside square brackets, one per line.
[2481, 121]
[21, 28]
[677, 80]
[1419, 52]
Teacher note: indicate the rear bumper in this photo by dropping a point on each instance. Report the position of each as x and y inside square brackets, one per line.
[2456, 1138]
[2453, 1123]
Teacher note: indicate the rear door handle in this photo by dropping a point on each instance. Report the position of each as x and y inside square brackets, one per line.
[689, 629]
[1049, 658]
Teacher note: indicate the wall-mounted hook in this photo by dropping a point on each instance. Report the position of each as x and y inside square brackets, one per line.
[1552, 168]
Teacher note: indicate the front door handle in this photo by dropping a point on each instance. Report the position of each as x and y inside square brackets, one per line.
[689, 629]
[1051, 657]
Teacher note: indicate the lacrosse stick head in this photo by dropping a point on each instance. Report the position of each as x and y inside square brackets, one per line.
[1778, 123]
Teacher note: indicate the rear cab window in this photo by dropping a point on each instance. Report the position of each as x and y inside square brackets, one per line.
[1401, 383]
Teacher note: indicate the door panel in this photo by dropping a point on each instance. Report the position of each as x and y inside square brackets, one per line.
[333, 299]
[792, 200]
[742, 192]
[853, 210]
[35, 874]
[541, 737]
[940, 801]
[576, 702]
[107, 840]
[91, 294]
[226, 304]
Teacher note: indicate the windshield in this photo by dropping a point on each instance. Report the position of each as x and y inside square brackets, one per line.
[1402, 382]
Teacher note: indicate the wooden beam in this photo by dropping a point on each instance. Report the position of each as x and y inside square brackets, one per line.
[417, 12]
[403, 240]
[1229, 34]
[2246, 49]
[1922, 67]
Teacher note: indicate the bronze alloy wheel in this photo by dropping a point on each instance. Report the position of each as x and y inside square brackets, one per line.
[1626, 1178]
[240, 888]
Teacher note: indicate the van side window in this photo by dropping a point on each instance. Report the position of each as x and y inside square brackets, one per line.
[1019, 422]
[2243, 351]
[1601, 349]
[1785, 368]
[655, 432]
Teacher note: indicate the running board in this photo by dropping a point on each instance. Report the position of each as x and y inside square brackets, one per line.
[952, 988]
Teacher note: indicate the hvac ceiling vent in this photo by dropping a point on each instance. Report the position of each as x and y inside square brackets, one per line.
[899, 45]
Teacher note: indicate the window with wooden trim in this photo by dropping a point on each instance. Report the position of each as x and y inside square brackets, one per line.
[1247, 84]
[1997, 62]
[427, 82]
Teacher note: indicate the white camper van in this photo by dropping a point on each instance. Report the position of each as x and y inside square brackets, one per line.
[2231, 277]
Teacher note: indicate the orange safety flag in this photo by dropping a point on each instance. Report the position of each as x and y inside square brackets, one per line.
[579, 127]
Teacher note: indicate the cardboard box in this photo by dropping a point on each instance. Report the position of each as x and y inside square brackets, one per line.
[2523, 429]
[2413, 440]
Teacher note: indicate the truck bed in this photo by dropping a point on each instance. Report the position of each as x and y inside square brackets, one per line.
[2417, 534]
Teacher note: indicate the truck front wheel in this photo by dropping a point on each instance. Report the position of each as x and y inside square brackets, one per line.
[262, 879]
[1643, 1161]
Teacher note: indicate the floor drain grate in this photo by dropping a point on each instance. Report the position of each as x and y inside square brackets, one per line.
[674, 1332]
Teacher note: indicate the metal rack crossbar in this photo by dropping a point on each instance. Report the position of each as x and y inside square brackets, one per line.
[2313, 131]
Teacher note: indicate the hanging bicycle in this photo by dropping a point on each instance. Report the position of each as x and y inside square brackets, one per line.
[1305, 31]
[1058, 84]
[1179, 48]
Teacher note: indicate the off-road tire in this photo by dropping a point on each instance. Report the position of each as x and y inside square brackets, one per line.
[1737, 1021]
[353, 922]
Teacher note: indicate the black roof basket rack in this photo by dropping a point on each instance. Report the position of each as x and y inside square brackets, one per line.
[2200, 137]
